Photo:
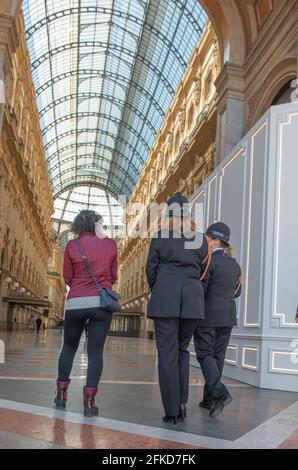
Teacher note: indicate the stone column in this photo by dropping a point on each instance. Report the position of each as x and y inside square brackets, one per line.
[230, 119]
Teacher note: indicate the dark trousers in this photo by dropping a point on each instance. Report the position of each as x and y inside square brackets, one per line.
[75, 321]
[173, 336]
[211, 345]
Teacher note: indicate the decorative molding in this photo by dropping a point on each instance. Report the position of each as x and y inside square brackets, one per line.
[283, 353]
[230, 84]
[263, 8]
[9, 40]
[283, 121]
[252, 366]
[234, 349]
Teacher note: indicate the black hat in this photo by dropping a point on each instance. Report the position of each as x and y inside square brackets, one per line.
[219, 231]
[179, 206]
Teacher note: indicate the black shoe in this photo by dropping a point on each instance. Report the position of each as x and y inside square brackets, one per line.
[227, 399]
[219, 405]
[170, 419]
[183, 413]
[208, 405]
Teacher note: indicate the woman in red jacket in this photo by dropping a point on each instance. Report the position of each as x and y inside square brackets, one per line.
[83, 303]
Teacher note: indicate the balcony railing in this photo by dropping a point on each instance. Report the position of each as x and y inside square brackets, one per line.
[126, 324]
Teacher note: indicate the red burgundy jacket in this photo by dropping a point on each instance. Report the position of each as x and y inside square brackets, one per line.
[102, 255]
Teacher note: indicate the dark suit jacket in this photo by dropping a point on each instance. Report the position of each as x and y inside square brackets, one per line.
[173, 274]
[219, 286]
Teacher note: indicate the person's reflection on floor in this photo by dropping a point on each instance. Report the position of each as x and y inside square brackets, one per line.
[59, 432]
[87, 437]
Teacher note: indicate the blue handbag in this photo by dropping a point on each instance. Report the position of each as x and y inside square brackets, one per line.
[109, 299]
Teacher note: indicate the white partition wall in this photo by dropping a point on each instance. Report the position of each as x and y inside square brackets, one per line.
[255, 191]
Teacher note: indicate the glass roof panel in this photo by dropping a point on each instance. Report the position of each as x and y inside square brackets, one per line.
[105, 72]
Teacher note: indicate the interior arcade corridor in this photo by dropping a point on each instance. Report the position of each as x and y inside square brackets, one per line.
[114, 106]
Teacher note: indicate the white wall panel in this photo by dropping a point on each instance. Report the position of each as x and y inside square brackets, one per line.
[285, 275]
[255, 191]
[231, 197]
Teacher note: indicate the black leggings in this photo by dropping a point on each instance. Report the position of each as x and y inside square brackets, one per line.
[99, 324]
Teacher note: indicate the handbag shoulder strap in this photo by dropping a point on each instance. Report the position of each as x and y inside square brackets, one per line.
[239, 283]
[88, 265]
[206, 260]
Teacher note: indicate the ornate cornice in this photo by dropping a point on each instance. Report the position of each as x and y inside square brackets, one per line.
[230, 83]
[8, 37]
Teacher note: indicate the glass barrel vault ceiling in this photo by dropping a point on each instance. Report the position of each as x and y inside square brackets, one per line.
[71, 201]
[105, 73]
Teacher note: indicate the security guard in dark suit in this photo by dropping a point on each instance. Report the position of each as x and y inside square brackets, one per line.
[211, 338]
[176, 303]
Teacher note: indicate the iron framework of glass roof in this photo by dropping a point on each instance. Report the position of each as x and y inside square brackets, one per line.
[71, 201]
[105, 73]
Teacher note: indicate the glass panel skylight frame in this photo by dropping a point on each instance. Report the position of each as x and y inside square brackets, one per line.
[71, 201]
[105, 73]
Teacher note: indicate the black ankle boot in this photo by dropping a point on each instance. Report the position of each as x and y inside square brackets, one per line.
[208, 405]
[170, 419]
[183, 412]
[219, 405]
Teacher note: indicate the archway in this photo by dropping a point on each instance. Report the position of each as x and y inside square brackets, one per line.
[284, 94]
[233, 25]
[4, 260]
[228, 18]
[279, 77]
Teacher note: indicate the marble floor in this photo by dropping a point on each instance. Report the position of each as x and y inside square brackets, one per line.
[129, 401]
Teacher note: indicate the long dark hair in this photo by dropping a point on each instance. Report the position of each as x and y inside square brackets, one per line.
[228, 249]
[85, 222]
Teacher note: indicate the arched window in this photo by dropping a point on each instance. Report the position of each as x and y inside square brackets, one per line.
[177, 142]
[166, 162]
[190, 118]
[208, 87]
[2, 260]
[284, 94]
[11, 265]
